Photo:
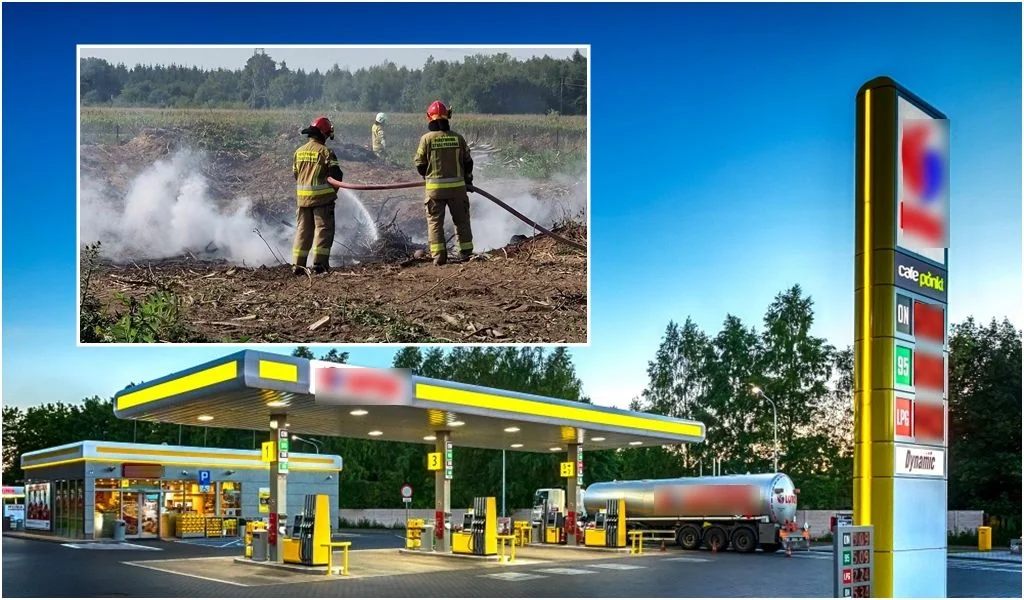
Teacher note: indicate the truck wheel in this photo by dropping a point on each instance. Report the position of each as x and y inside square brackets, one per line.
[769, 548]
[715, 538]
[688, 537]
[744, 539]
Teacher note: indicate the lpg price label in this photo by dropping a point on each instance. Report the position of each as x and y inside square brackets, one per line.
[904, 408]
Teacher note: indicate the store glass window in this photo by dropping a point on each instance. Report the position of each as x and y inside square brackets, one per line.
[230, 499]
[106, 511]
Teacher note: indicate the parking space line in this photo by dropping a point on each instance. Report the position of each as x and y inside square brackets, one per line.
[565, 571]
[135, 564]
[616, 566]
[513, 576]
[687, 559]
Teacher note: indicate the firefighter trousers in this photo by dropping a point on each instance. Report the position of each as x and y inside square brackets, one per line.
[314, 230]
[459, 207]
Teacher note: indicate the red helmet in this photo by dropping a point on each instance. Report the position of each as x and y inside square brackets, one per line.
[437, 110]
[324, 125]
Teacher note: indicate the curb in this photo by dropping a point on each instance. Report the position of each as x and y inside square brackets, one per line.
[949, 555]
[1012, 561]
[41, 538]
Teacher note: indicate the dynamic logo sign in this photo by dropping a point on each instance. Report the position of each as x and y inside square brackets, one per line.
[914, 460]
[917, 276]
[922, 218]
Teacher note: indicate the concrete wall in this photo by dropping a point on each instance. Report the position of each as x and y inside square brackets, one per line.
[958, 521]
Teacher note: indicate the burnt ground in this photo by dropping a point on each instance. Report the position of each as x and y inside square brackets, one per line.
[533, 291]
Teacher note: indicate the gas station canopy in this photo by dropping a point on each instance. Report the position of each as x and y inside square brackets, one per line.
[244, 390]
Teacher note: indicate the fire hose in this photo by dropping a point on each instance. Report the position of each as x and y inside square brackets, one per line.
[485, 194]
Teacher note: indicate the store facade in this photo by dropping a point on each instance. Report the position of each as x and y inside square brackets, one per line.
[80, 490]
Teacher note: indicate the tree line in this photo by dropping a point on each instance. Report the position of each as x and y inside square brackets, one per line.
[693, 374]
[489, 84]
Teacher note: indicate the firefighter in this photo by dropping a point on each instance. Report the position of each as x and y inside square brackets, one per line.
[317, 179]
[377, 135]
[444, 162]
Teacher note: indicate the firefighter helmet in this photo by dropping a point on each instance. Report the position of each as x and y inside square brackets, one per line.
[324, 125]
[438, 110]
[382, 118]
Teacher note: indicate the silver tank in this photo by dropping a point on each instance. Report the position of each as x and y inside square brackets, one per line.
[726, 496]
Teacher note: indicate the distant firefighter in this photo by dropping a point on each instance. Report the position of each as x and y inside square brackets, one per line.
[377, 135]
[317, 179]
[444, 162]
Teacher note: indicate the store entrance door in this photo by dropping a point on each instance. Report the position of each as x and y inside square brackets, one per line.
[141, 514]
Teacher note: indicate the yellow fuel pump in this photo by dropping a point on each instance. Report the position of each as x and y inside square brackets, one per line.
[479, 533]
[553, 526]
[609, 526]
[310, 534]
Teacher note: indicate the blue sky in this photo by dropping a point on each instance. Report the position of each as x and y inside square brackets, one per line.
[722, 163]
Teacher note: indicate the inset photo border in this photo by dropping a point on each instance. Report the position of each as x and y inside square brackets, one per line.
[293, 194]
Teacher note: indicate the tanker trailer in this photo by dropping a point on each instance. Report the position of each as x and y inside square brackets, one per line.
[741, 511]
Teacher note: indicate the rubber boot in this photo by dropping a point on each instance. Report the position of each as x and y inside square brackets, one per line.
[297, 270]
[466, 255]
[320, 269]
[441, 259]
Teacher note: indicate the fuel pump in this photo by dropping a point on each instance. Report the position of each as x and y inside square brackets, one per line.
[554, 527]
[479, 533]
[310, 532]
[615, 524]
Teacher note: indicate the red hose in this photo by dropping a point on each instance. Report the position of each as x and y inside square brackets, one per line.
[381, 186]
[485, 194]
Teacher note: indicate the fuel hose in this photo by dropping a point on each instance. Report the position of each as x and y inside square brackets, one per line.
[485, 194]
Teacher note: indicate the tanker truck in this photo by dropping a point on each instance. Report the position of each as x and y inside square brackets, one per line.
[744, 512]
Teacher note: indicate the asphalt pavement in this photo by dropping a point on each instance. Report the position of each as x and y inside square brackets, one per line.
[144, 568]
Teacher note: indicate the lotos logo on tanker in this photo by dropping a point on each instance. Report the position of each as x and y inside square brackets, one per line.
[786, 498]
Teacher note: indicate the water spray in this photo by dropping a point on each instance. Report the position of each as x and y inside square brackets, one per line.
[485, 194]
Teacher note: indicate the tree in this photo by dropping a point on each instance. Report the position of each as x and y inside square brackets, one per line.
[985, 421]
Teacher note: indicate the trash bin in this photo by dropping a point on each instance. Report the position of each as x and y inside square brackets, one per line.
[259, 545]
[119, 526]
[984, 539]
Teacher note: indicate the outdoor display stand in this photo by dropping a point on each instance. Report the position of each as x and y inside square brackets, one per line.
[854, 558]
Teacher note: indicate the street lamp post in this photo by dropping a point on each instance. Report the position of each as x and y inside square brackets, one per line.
[775, 425]
[308, 441]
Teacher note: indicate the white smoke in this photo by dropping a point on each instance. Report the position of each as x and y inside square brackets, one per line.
[493, 226]
[168, 210]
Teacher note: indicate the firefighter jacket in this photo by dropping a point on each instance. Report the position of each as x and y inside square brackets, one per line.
[312, 164]
[377, 135]
[444, 161]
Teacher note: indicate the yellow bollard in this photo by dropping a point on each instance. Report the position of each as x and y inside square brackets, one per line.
[984, 539]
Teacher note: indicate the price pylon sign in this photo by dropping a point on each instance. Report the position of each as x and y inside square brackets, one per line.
[900, 347]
